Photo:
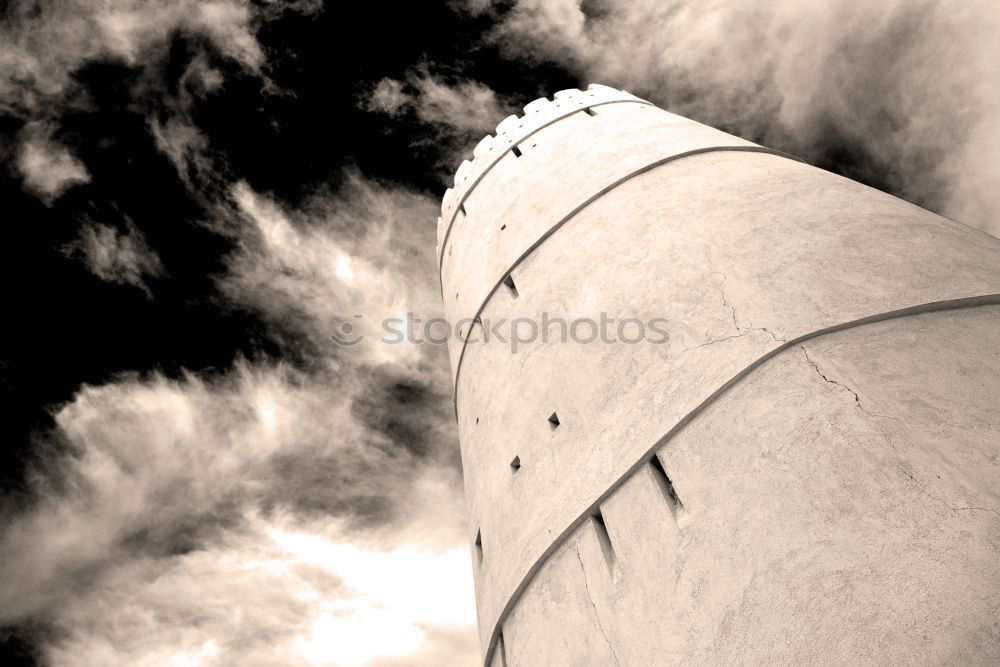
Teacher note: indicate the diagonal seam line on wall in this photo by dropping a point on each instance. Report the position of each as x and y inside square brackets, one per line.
[500, 156]
[930, 307]
[587, 202]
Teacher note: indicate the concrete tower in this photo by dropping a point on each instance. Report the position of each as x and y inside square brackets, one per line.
[807, 472]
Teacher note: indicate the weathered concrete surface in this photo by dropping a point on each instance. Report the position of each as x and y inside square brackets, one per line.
[521, 198]
[841, 505]
[739, 251]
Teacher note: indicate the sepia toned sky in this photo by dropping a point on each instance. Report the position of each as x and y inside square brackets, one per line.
[197, 193]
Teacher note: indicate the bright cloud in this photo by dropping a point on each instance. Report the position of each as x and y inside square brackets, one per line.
[48, 168]
[396, 594]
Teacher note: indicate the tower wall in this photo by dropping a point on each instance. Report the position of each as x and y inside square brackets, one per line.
[823, 413]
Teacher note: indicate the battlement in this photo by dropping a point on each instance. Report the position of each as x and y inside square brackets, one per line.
[513, 130]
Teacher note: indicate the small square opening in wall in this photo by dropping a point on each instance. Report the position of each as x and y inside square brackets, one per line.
[516, 151]
[589, 111]
[554, 421]
[515, 465]
[503, 227]
[509, 282]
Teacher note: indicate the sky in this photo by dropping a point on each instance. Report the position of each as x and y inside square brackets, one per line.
[197, 194]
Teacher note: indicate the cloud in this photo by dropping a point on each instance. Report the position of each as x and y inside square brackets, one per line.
[177, 135]
[900, 93]
[466, 106]
[388, 97]
[457, 111]
[366, 251]
[232, 518]
[461, 105]
[47, 167]
[250, 515]
[116, 256]
[274, 596]
[44, 44]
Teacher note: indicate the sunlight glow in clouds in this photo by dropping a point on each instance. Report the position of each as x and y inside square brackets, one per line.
[344, 267]
[356, 636]
[396, 594]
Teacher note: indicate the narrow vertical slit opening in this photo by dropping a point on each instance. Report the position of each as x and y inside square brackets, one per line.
[515, 465]
[509, 282]
[553, 421]
[516, 151]
[589, 111]
[603, 538]
[479, 545]
[663, 481]
[461, 207]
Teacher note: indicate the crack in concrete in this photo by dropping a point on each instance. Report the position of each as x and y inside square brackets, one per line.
[586, 587]
[743, 333]
[976, 509]
[716, 340]
[822, 375]
[769, 333]
[722, 291]
[725, 301]
[924, 491]
[740, 331]
[857, 399]
[920, 487]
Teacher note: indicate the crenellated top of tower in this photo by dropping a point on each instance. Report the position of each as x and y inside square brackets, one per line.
[513, 130]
